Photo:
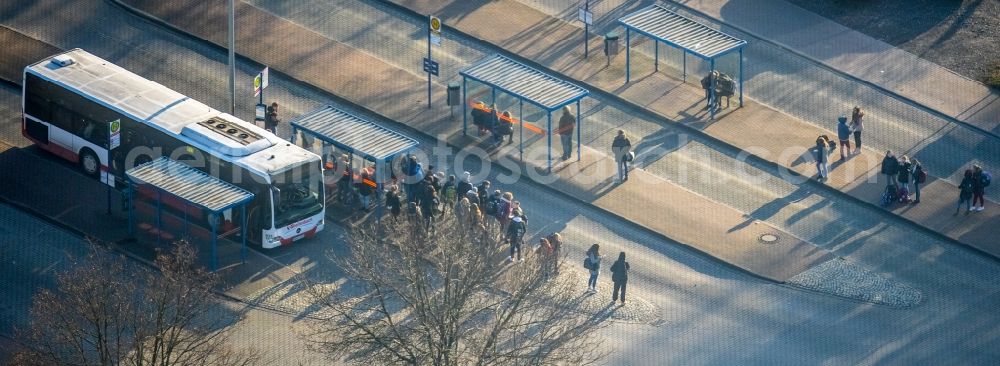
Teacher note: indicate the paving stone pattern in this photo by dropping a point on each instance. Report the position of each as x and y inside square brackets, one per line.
[844, 278]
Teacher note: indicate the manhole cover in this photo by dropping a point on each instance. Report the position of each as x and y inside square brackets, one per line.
[768, 238]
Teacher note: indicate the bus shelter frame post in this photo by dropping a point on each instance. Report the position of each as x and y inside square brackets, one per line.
[656, 59]
[712, 85]
[131, 209]
[579, 117]
[741, 76]
[159, 220]
[465, 106]
[549, 138]
[243, 233]
[628, 55]
[214, 223]
[520, 114]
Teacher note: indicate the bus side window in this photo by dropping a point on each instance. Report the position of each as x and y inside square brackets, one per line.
[62, 118]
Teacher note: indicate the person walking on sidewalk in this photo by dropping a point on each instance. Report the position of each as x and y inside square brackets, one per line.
[593, 261]
[919, 177]
[890, 167]
[271, 119]
[980, 180]
[619, 276]
[621, 148]
[844, 135]
[965, 192]
[567, 123]
[857, 125]
[822, 156]
[905, 171]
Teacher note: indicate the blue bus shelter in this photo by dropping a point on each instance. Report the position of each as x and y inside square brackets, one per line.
[357, 136]
[664, 25]
[191, 186]
[527, 85]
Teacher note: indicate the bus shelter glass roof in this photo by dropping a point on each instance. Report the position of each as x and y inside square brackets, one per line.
[355, 134]
[524, 82]
[667, 26]
[189, 184]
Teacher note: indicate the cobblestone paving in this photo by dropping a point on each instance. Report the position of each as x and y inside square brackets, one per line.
[844, 278]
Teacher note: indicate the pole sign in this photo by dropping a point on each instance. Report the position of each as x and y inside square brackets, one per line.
[257, 81]
[431, 66]
[586, 17]
[435, 27]
[115, 130]
[263, 74]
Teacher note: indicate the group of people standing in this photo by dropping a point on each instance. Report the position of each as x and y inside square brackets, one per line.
[900, 172]
[825, 146]
[973, 185]
[619, 272]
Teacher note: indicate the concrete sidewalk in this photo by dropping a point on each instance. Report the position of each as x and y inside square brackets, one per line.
[555, 43]
[861, 56]
[707, 226]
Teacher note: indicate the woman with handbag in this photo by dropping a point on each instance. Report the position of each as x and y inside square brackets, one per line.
[621, 148]
[593, 263]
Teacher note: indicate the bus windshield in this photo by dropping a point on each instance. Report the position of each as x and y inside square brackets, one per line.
[298, 193]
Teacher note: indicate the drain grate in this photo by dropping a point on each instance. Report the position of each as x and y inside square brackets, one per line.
[768, 239]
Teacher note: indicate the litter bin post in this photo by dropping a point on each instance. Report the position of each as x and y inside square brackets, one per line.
[610, 45]
[454, 96]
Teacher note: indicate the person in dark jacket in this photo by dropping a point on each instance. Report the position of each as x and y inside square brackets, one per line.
[965, 192]
[484, 193]
[619, 276]
[393, 202]
[621, 148]
[857, 125]
[479, 117]
[822, 156]
[918, 171]
[890, 167]
[464, 184]
[515, 236]
[567, 123]
[271, 119]
[978, 188]
[844, 135]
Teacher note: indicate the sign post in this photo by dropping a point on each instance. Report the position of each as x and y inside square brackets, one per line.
[259, 83]
[587, 18]
[431, 67]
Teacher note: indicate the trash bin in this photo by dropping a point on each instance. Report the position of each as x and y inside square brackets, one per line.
[454, 94]
[611, 44]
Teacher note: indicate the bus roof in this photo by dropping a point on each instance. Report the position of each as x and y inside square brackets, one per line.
[188, 120]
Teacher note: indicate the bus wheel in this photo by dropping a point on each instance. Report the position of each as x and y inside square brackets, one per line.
[89, 162]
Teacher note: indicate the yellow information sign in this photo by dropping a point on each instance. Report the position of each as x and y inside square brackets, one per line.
[435, 24]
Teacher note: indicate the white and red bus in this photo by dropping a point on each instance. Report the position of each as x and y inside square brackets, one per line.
[108, 120]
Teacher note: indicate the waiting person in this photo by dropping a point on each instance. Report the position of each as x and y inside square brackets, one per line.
[480, 116]
[494, 124]
[515, 236]
[393, 202]
[890, 167]
[619, 276]
[271, 119]
[594, 265]
[365, 190]
[505, 209]
[919, 177]
[822, 156]
[556, 241]
[546, 258]
[461, 211]
[567, 123]
[903, 176]
[506, 127]
[475, 218]
[965, 192]
[844, 135]
[519, 212]
[449, 193]
[857, 125]
[484, 192]
[979, 182]
[708, 83]
[428, 205]
[621, 148]
[465, 184]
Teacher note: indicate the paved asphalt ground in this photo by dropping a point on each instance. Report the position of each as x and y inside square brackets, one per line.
[712, 314]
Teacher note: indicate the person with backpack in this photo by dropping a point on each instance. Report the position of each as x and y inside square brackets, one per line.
[919, 177]
[505, 209]
[392, 201]
[980, 180]
[271, 119]
[619, 276]
[484, 193]
[965, 192]
[515, 235]
[506, 127]
[844, 135]
[449, 193]
[465, 184]
[593, 263]
[621, 149]
[857, 126]
[903, 177]
[822, 156]
[890, 167]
